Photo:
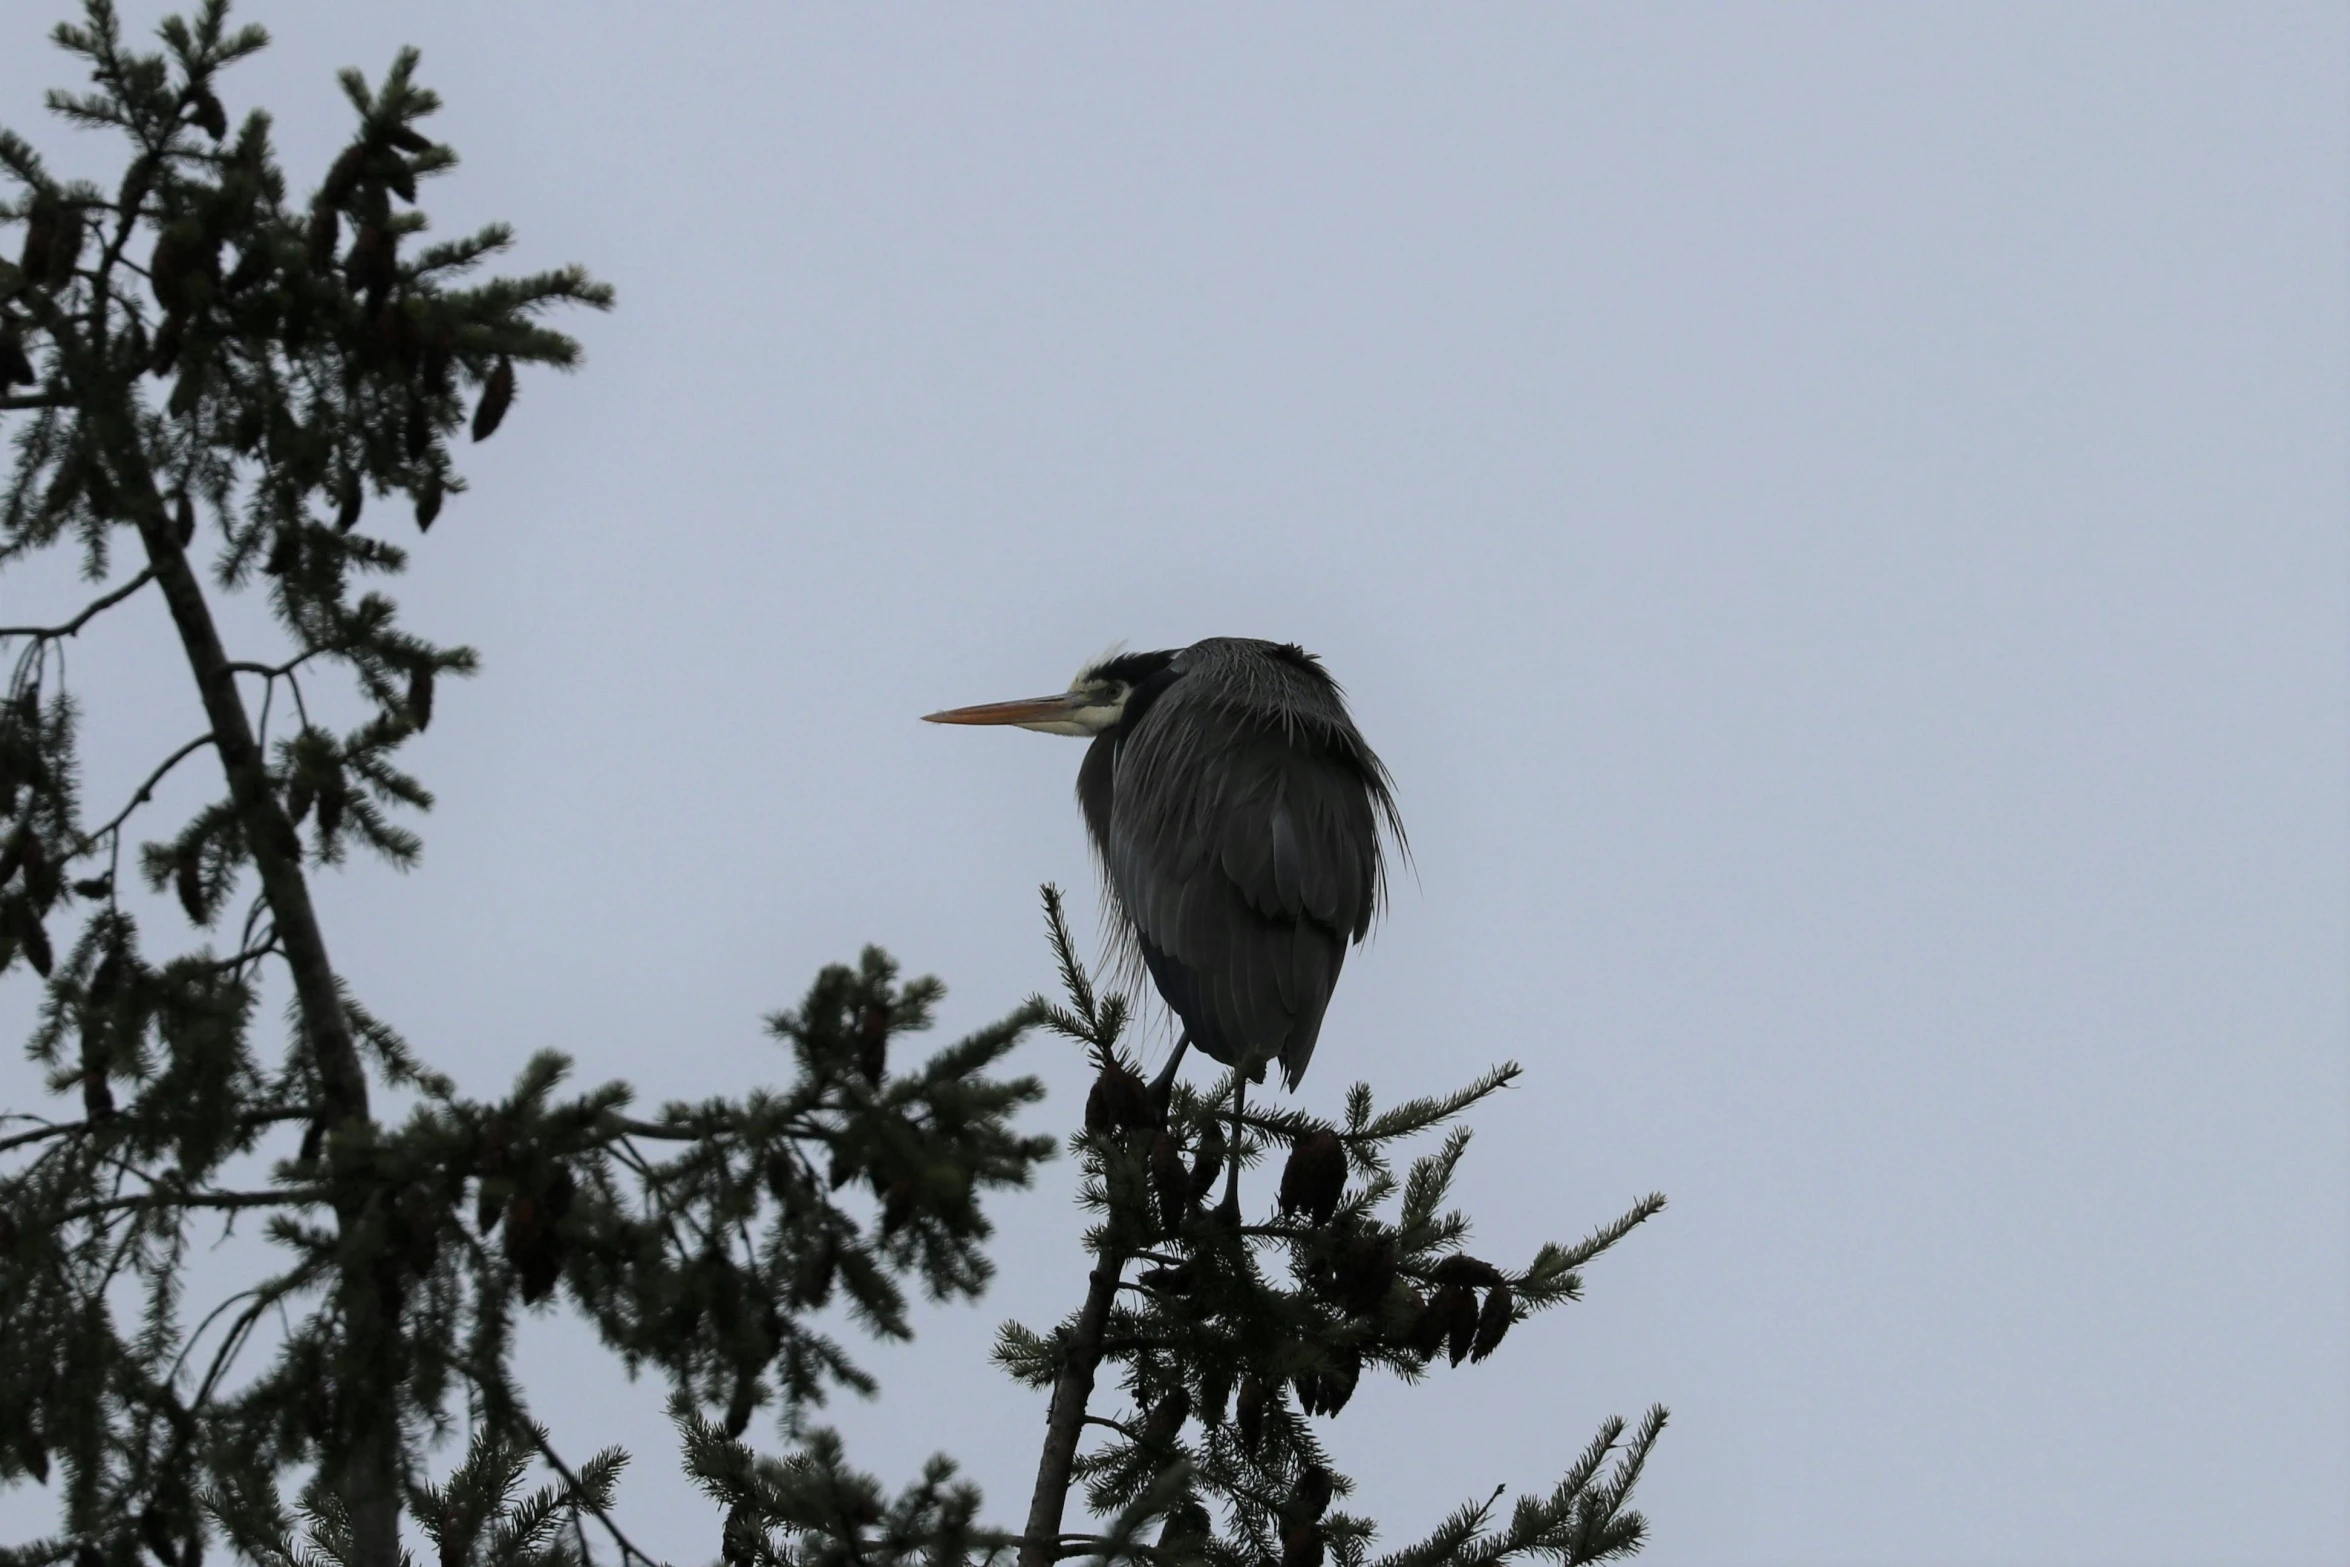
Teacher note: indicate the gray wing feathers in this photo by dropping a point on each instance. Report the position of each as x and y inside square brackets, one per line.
[1247, 855]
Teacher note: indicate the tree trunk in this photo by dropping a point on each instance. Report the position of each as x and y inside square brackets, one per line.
[368, 1474]
[1065, 1421]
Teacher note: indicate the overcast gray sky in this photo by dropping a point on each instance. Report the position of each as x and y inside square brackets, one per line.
[1835, 516]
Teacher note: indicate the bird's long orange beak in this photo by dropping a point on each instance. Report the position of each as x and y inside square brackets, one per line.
[1029, 710]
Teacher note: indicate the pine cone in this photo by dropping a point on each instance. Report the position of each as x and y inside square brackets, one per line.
[740, 1539]
[497, 395]
[533, 1245]
[34, 938]
[1338, 1383]
[1461, 1268]
[493, 1156]
[41, 875]
[371, 268]
[1119, 1100]
[560, 1190]
[106, 981]
[324, 235]
[898, 1206]
[1458, 1305]
[1248, 1412]
[167, 270]
[188, 882]
[1186, 1534]
[166, 352]
[206, 111]
[1169, 1182]
[1428, 1334]
[1365, 1272]
[812, 1276]
[873, 1044]
[65, 247]
[1315, 1176]
[1166, 1419]
[1208, 1163]
[784, 1182]
[15, 367]
[344, 174]
[1493, 1321]
[420, 1228]
[97, 1094]
[420, 682]
[522, 1224]
[1311, 1499]
[136, 182]
[416, 429]
[40, 233]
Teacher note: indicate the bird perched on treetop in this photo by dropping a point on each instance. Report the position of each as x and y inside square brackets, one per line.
[1240, 819]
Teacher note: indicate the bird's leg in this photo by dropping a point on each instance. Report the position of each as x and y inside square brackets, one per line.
[1163, 1086]
[1229, 1210]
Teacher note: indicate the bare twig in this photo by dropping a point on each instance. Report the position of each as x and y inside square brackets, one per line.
[146, 791]
[272, 671]
[96, 607]
[252, 954]
[31, 400]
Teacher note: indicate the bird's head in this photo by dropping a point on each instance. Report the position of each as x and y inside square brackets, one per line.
[1093, 704]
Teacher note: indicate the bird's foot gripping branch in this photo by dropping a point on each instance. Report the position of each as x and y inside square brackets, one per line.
[1231, 1351]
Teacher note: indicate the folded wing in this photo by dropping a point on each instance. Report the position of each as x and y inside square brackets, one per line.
[1245, 851]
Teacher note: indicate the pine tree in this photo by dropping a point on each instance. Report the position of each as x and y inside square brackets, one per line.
[220, 381]
[214, 381]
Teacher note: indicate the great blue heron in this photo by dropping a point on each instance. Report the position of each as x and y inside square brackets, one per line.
[1241, 823]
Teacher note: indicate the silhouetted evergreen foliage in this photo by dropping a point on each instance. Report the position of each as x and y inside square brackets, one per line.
[1235, 1347]
[212, 389]
[220, 381]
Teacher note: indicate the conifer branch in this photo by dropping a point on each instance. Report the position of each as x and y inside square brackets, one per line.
[289, 1197]
[244, 1122]
[1607, 1235]
[582, 1496]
